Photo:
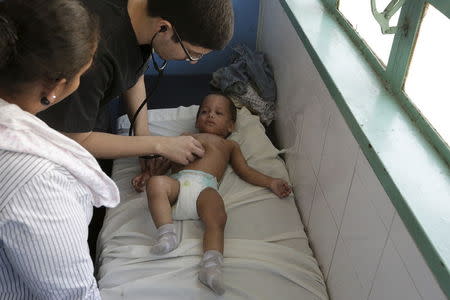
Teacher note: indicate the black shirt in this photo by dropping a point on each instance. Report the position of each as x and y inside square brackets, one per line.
[118, 64]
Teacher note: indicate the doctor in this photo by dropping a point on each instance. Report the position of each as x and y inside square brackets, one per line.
[48, 182]
[130, 30]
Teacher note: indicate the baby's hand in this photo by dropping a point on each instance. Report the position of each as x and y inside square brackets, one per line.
[156, 166]
[280, 187]
[139, 182]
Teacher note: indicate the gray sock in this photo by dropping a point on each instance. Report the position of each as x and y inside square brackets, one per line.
[211, 271]
[167, 240]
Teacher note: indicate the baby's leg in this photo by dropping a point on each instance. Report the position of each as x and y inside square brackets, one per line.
[211, 210]
[162, 191]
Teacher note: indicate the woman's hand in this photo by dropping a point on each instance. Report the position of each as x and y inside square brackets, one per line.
[280, 188]
[181, 149]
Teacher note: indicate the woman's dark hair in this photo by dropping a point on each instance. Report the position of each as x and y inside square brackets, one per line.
[44, 40]
[205, 23]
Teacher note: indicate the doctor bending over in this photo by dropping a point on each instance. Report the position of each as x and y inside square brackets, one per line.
[133, 31]
[48, 182]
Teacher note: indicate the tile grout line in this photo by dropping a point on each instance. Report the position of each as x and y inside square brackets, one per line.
[380, 260]
[339, 227]
[401, 258]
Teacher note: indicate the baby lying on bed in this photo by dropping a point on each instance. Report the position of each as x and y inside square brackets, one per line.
[193, 188]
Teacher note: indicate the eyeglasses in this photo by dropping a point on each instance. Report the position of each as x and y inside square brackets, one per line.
[189, 57]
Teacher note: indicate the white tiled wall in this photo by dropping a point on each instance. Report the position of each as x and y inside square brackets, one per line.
[362, 246]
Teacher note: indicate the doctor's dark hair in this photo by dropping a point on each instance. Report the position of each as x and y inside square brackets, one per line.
[205, 23]
[44, 40]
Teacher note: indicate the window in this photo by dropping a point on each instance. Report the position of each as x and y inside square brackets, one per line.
[412, 60]
[429, 72]
[359, 15]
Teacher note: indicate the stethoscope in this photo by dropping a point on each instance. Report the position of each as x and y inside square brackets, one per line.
[160, 70]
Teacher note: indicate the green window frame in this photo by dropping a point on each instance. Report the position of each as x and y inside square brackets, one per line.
[394, 73]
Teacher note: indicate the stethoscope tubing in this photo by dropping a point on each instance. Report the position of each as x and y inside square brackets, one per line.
[160, 70]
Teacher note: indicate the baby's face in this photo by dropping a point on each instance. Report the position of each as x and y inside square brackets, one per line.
[214, 116]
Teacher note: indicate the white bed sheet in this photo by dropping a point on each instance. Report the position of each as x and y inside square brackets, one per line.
[267, 255]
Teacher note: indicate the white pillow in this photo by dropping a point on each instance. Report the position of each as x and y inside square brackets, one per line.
[251, 136]
[165, 122]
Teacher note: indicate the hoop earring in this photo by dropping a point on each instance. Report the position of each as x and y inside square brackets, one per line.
[44, 101]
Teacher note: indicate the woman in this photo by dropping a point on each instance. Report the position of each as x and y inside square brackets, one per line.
[48, 183]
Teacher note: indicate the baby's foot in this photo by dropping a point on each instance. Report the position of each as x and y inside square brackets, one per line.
[212, 278]
[211, 271]
[167, 240]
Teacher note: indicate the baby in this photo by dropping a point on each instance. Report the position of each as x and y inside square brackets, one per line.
[192, 189]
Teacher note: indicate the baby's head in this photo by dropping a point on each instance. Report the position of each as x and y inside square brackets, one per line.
[216, 115]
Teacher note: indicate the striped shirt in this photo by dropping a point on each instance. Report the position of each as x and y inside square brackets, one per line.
[44, 218]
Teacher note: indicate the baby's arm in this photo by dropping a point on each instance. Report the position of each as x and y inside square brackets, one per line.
[278, 186]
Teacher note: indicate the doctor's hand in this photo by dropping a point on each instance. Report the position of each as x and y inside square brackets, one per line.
[182, 149]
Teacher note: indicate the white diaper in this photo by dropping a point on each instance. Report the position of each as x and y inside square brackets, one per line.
[192, 183]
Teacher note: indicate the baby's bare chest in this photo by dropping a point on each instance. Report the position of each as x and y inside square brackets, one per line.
[215, 146]
[216, 156]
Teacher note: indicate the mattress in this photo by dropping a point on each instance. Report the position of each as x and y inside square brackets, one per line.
[266, 254]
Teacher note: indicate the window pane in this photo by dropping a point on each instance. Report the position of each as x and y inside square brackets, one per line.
[359, 14]
[427, 84]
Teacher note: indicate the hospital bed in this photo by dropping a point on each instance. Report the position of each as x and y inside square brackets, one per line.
[267, 255]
